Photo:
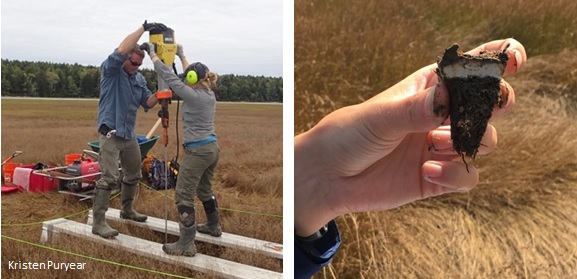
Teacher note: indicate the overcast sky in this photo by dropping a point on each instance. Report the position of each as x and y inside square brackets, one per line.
[229, 36]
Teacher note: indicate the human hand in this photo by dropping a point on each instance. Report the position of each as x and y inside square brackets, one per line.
[180, 51]
[153, 25]
[149, 48]
[377, 155]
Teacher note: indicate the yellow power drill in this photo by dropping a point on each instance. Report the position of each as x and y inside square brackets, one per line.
[165, 48]
[165, 45]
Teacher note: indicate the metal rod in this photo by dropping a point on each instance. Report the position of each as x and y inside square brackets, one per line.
[166, 194]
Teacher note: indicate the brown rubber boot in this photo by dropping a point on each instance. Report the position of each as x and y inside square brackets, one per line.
[185, 245]
[100, 206]
[127, 193]
[212, 225]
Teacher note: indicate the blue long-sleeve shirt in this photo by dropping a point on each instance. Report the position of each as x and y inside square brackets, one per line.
[310, 257]
[121, 95]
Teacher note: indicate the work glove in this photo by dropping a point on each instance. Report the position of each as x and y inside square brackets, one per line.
[153, 25]
[180, 51]
[149, 48]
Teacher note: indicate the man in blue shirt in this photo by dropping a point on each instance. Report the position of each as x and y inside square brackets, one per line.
[122, 91]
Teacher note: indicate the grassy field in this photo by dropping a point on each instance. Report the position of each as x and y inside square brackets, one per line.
[248, 185]
[521, 220]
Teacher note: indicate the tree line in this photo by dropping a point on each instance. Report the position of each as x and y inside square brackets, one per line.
[61, 80]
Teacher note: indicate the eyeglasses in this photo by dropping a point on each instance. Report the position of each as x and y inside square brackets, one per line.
[134, 63]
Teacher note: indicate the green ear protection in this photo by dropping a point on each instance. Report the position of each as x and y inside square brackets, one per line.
[195, 72]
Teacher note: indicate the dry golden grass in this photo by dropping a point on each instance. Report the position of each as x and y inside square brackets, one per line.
[521, 220]
[346, 52]
[248, 184]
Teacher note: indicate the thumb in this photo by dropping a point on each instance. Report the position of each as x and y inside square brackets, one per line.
[420, 112]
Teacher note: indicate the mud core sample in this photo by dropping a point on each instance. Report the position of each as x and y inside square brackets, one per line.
[474, 85]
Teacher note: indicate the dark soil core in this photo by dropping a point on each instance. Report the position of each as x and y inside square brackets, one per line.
[472, 97]
[472, 100]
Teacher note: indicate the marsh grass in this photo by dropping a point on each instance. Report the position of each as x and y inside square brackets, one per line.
[248, 185]
[346, 53]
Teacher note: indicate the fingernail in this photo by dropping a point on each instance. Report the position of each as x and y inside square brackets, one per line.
[517, 59]
[504, 96]
[513, 65]
[442, 139]
[506, 46]
[432, 170]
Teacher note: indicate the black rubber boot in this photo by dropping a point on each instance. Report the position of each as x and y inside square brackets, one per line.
[127, 212]
[185, 244]
[212, 225]
[100, 206]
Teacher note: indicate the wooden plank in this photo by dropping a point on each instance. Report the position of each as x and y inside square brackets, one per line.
[200, 262]
[47, 232]
[270, 249]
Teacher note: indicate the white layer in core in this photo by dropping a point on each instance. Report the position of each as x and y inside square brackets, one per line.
[473, 68]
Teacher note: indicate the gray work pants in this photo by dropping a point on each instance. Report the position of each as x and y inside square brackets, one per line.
[195, 174]
[111, 150]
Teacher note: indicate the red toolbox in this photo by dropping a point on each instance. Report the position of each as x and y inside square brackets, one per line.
[29, 181]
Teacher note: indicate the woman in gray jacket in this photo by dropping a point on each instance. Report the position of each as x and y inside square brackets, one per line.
[202, 151]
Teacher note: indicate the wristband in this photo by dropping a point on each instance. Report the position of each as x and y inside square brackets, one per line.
[315, 236]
